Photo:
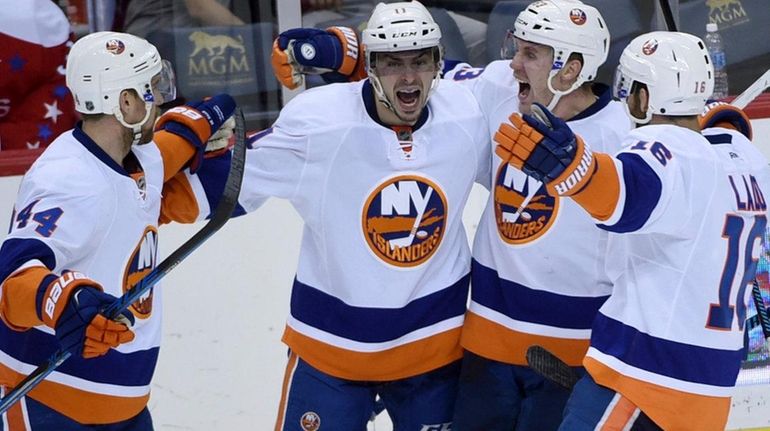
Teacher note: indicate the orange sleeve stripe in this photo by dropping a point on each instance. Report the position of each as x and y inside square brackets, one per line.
[18, 304]
[668, 408]
[175, 151]
[623, 412]
[179, 203]
[287, 378]
[82, 406]
[396, 363]
[600, 196]
[15, 416]
[494, 341]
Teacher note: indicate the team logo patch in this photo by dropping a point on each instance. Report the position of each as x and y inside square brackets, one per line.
[308, 51]
[310, 421]
[404, 220]
[524, 211]
[650, 47]
[577, 16]
[143, 260]
[115, 46]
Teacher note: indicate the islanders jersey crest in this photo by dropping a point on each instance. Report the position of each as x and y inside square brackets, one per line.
[404, 220]
[524, 211]
[143, 260]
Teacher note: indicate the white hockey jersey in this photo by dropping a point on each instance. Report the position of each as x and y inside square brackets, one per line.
[692, 213]
[382, 282]
[538, 271]
[79, 210]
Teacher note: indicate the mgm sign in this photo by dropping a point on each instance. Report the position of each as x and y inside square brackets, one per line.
[726, 13]
[221, 61]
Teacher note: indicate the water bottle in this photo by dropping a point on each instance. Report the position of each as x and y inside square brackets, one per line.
[717, 52]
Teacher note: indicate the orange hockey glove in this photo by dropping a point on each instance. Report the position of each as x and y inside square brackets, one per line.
[71, 305]
[543, 147]
[721, 114]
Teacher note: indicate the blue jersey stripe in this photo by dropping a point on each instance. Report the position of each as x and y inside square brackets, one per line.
[657, 355]
[374, 325]
[124, 369]
[531, 305]
[16, 251]
[643, 189]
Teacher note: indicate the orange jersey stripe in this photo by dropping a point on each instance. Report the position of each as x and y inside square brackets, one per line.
[396, 363]
[17, 304]
[670, 409]
[600, 196]
[174, 150]
[621, 412]
[179, 203]
[291, 365]
[494, 341]
[82, 406]
[15, 415]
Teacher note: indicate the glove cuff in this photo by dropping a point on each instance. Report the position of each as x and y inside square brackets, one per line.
[577, 174]
[721, 114]
[54, 296]
[189, 117]
[352, 52]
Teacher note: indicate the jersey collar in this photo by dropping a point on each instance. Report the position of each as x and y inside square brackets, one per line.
[96, 150]
[603, 98]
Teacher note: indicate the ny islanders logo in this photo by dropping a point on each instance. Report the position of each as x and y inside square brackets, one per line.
[524, 211]
[404, 220]
[143, 259]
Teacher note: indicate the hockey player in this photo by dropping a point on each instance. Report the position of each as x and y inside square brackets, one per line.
[687, 213]
[518, 298]
[381, 181]
[84, 230]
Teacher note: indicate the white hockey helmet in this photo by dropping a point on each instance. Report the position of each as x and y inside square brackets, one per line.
[675, 67]
[402, 26]
[567, 26]
[101, 65]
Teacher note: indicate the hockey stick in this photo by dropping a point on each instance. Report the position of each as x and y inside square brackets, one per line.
[668, 15]
[753, 91]
[759, 303]
[552, 368]
[221, 214]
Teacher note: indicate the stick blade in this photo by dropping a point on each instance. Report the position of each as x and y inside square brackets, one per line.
[552, 368]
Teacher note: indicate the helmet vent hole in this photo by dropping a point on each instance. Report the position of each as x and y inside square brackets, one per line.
[708, 60]
[87, 78]
[537, 27]
[662, 110]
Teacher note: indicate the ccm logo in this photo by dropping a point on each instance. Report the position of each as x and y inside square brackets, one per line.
[404, 34]
[54, 293]
[565, 186]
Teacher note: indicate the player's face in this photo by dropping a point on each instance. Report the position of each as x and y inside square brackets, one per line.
[531, 65]
[406, 80]
[138, 110]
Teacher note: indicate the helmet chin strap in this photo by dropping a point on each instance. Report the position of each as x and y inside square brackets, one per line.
[136, 128]
[557, 94]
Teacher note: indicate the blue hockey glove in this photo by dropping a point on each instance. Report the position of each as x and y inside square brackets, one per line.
[545, 148]
[70, 304]
[335, 53]
[196, 122]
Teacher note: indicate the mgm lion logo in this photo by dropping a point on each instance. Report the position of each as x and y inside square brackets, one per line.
[215, 44]
[727, 13]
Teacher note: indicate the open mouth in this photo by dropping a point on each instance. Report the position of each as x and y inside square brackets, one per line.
[408, 99]
[524, 92]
